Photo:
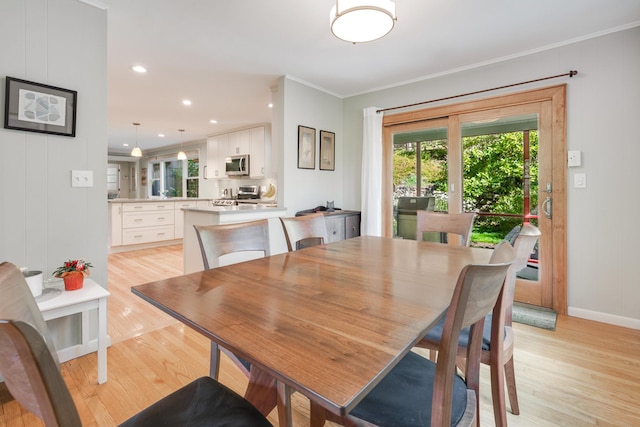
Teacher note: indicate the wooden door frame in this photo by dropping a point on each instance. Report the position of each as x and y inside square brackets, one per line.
[555, 99]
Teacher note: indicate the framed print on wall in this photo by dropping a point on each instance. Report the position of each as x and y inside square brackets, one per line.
[36, 107]
[327, 150]
[306, 147]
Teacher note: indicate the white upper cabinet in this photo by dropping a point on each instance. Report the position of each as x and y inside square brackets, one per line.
[238, 143]
[256, 150]
[249, 141]
[216, 146]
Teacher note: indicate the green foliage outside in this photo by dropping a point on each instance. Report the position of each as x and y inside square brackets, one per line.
[493, 173]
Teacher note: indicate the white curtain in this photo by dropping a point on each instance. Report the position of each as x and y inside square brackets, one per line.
[371, 222]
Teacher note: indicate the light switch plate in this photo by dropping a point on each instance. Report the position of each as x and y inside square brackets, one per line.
[573, 158]
[580, 180]
[81, 178]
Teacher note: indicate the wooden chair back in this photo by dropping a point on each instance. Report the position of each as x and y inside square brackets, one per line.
[303, 231]
[477, 292]
[523, 245]
[218, 240]
[28, 361]
[456, 223]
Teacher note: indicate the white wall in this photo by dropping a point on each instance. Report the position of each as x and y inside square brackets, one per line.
[307, 188]
[43, 220]
[603, 104]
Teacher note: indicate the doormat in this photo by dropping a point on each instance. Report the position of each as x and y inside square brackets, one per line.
[531, 315]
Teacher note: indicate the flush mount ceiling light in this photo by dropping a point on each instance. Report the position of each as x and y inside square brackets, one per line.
[139, 69]
[359, 21]
[181, 154]
[136, 152]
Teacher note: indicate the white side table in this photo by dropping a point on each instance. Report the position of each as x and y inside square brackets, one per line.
[91, 296]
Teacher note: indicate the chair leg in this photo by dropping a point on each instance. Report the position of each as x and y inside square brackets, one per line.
[497, 395]
[510, 376]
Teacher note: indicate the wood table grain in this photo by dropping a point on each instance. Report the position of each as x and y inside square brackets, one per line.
[328, 321]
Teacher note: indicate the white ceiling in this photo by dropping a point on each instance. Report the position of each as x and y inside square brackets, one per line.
[226, 55]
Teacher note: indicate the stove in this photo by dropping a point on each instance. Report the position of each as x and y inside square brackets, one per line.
[224, 202]
[246, 192]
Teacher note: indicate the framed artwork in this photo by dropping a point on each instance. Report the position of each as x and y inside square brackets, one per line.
[306, 148]
[36, 107]
[327, 150]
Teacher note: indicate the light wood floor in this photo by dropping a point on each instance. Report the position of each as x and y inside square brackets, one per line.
[583, 374]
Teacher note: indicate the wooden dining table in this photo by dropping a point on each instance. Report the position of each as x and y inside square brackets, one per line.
[329, 321]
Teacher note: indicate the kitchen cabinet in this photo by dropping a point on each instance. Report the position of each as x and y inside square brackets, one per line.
[178, 229]
[216, 153]
[249, 141]
[341, 225]
[238, 143]
[256, 152]
[115, 224]
[147, 222]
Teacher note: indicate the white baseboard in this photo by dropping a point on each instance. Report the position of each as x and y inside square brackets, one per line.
[612, 319]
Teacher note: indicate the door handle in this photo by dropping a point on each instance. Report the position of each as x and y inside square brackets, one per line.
[546, 207]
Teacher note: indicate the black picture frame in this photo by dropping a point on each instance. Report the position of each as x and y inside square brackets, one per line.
[327, 151]
[36, 107]
[306, 147]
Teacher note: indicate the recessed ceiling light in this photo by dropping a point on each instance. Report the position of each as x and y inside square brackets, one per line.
[139, 69]
[125, 145]
[186, 102]
[161, 135]
[213, 121]
[270, 105]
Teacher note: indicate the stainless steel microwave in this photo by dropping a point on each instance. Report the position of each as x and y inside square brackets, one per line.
[237, 165]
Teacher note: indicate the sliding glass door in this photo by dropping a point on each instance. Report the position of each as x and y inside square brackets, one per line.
[497, 161]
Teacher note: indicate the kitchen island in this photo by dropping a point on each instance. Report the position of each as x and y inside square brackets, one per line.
[214, 215]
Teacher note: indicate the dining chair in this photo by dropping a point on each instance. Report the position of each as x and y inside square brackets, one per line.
[499, 356]
[218, 240]
[304, 231]
[420, 392]
[455, 223]
[224, 239]
[31, 371]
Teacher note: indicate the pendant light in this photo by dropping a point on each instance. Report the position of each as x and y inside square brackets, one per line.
[181, 154]
[136, 152]
[359, 21]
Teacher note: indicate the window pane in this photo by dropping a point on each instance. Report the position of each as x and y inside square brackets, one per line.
[194, 168]
[192, 188]
[419, 177]
[155, 179]
[500, 175]
[173, 178]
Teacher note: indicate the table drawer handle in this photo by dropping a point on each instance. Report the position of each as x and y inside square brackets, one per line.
[137, 236]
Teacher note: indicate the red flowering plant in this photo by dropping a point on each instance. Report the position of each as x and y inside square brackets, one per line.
[71, 266]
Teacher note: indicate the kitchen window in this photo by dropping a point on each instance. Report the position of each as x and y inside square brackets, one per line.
[171, 177]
